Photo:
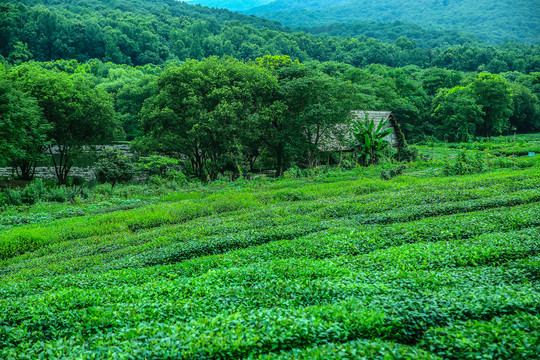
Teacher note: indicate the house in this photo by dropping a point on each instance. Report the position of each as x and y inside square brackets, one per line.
[340, 137]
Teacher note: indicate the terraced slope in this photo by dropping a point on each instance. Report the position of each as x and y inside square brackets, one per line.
[338, 267]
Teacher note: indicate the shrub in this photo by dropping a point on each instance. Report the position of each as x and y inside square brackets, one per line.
[464, 164]
[407, 154]
[156, 181]
[34, 192]
[156, 165]
[178, 177]
[113, 167]
[391, 173]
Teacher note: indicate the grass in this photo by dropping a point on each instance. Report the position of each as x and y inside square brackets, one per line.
[340, 265]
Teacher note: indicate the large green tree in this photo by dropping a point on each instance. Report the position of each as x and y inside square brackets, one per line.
[494, 95]
[22, 128]
[309, 106]
[526, 111]
[130, 88]
[457, 114]
[210, 111]
[78, 113]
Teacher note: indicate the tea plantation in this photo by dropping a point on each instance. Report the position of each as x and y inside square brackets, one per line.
[336, 266]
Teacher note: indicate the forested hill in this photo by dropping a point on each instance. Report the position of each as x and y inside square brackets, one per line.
[140, 32]
[234, 5]
[491, 20]
[390, 32]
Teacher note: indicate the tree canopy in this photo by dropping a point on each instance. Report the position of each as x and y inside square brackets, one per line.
[78, 114]
[491, 20]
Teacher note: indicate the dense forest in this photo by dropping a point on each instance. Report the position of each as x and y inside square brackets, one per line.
[269, 111]
[389, 32]
[491, 20]
[175, 79]
[156, 32]
[235, 5]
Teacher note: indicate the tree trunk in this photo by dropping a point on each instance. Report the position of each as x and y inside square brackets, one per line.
[279, 155]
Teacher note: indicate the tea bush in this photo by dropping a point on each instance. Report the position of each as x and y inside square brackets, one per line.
[464, 163]
[344, 265]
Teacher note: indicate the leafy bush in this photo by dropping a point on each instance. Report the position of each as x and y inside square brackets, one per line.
[156, 181]
[370, 143]
[464, 164]
[178, 177]
[387, 174]
[156, 165]
[36, 192]
[114, 167]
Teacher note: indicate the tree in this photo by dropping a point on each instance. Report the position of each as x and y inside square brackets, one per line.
[22, 129]
[526, 114]
[130, 88]
[457, 114]
[78, 113]
[20, 53]
[309, 105]
[434, 79]
[386, 89]
[494, 95]
[209, 111]
[114, 167]
[317, 103]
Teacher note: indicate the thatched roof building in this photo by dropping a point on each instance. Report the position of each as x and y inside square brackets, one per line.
[340, 137]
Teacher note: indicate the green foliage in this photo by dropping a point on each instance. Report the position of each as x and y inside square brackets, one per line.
[78, 113]
[526, 109]
[212, 112]
[371, 144]
[308, 106]
[482, 108]
[22, 127]
[407, 154]
[127, 34]
[113, 167]
[339, 266]
[496, 98]
[495, 24]
[388, 174]
[458, 113]
[36, 192]
[156, 165]
[464, 164]
[417, 37]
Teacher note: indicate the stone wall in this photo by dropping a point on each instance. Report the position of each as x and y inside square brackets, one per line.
[47, 173]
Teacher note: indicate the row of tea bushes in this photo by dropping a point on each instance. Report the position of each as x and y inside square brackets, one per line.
[284, 237]
[368, 210]
[273, 272]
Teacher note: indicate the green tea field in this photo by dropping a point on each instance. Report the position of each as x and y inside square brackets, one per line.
[338, 266]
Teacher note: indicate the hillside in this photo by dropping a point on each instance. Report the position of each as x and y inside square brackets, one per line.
[493, 21]
[158, 32]
[335, 266]
[234, 5]
[390, 32]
